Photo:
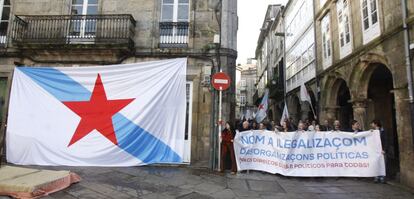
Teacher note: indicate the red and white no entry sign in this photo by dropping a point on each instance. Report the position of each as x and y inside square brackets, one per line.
[221, 81]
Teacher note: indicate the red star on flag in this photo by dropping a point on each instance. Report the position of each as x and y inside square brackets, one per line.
[96, 113]
[261, 106]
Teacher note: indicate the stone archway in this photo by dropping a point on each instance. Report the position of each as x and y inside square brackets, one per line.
[381, 106]
[372, 90]
[343, 97]
[358, 84]
[337, 97]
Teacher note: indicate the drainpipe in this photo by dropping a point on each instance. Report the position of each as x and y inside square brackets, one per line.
[408, 64]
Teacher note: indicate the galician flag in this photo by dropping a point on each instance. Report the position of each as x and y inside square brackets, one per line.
[118, 115]
[262, 109]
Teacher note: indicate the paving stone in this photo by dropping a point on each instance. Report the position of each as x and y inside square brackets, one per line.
[194, 195]
[245, 193]
[82, 192]
[208, 188]
[225, 194]
[175, 182]
[157, 196]
[237, 184]
[107, 190]
[259, 185]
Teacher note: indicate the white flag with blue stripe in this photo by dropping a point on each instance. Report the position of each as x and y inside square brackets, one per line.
[118, 115]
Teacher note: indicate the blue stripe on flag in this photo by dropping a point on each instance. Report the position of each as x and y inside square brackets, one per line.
[57, 83]
[131, 137]
[142, 144]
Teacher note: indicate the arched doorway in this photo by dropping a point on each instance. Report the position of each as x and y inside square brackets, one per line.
[345, 110]
[381, 106]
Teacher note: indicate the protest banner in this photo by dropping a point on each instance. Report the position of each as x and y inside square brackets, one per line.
[308, 154]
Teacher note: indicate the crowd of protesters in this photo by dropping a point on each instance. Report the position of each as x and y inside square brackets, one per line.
[303, 125]
[289, 126]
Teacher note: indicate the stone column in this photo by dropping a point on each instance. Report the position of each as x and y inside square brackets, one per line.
[360, 112]
[305, 109]
[330, 113]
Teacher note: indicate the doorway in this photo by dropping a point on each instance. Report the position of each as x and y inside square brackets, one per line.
[188, 122]
[83, 22]
[345, 111]
[382, 107]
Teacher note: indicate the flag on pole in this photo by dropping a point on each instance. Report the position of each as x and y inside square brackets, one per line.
[119, 115]
[262, 109]
[285, 114]
[304, 95]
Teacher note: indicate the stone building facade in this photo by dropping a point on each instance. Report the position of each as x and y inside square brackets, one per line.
[300, 57]
[80, 33]
[245, 89]
[362, 73]
[269, 55]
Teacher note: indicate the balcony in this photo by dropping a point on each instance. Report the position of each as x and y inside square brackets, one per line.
[69, 30]
[174, 34]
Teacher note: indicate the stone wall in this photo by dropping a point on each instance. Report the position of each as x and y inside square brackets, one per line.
[201, 52]
[385, 53]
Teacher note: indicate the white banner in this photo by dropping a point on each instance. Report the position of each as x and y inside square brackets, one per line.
[118, 115]
[328, 153]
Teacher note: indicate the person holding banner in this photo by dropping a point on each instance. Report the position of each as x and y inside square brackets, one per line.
[376, 125]
[355, 127]
[337, 126]
[301, 127]
[286, 127]
[317, 128]
[262, 126]
[227, 145]
[326, 126]
[245, 126]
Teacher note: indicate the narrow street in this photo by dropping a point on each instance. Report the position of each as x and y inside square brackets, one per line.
[179, 182]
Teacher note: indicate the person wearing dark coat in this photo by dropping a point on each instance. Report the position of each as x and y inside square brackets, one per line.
[355, 127]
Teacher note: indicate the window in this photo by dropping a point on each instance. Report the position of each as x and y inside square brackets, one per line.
[370, 23]
[344, 28]
[243, 83]
[175, 10]
[174, 23]
[326, 41]
[242, 99]
[83, 26]
[297, 20]
[4, 20]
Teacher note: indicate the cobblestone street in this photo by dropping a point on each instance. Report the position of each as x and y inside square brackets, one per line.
[178, 182]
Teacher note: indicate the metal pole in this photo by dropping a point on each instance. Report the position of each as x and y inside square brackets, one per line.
[408, 64]
[219, 129]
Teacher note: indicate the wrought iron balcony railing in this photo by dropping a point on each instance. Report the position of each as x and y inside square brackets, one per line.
[73, 29]
[174, 34]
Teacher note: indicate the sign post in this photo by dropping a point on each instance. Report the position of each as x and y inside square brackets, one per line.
[220, 81]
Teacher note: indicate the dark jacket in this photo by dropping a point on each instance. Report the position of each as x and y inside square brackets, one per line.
[383, 139]
[227, 135]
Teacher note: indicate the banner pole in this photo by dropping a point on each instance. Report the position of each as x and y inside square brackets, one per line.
[313, 111]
